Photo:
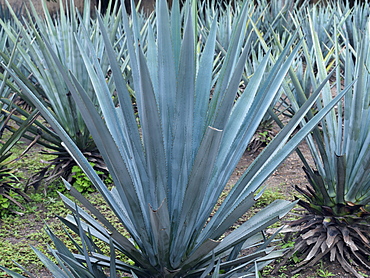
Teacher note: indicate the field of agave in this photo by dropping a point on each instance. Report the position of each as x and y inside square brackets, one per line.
[164, 106]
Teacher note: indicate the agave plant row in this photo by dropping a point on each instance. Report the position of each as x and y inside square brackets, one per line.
[170, 103]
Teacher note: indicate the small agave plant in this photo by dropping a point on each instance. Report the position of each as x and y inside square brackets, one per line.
[172, 160]
[9, 136]
[336, 224]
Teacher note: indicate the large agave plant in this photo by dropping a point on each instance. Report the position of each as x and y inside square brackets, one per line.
[32, 66]
[171, 163]
[336, 223]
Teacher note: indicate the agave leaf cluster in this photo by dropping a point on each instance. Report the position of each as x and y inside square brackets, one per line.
[355, 20]
[262, 38]
[32, 66]
[276, 15]
[8, 178]
[337, 199]
[172, 160]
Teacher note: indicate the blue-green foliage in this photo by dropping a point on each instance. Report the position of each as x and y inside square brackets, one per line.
[171, 161]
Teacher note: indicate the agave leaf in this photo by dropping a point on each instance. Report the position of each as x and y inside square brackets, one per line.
[244, 103]
[112, 265]
[258, 222]
[210, 267]
[356, 147]
[341, 179]
[166, 73]
[6, 73]
[91, 222]
[235, 251]
[266, 155]
[265, 258]
[231, 216]
[104, 261]
[121, 177]
[227, 71]
[67, 140]
[206, 248]
[201, 174]
[121, 242]
[182, 150]
[242, 262]
[301, 96]
[152, 136]
[5, 148]
[160, 221]
[217, 270]
[52, 267]
[176, 30]
[203, 88]
[69, 272]
[86, 248]
[236, 149]
[152, 57]
[114, 233]
[12, 273]
[358, 110]
[270, 88]
[70, 222]
[78, 268]
[124, 98]
[344, 133]
[226, 103]
[37, 128]
[58, 243]
[36, 59]
[115, 158]
[95, 71]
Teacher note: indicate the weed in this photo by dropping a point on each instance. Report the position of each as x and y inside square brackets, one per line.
[296, 259]
[266, 271]
[8, 203]
[294, 276]
[82, 183]
[4, 204]
[264, 137]
[288, 244]
[268, 196]
[322, 272]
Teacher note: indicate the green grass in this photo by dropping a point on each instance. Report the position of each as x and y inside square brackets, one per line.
[27, 227]
[17, 233]
[268, 196]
